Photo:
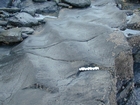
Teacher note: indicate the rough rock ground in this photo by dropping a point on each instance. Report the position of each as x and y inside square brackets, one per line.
[52, 57]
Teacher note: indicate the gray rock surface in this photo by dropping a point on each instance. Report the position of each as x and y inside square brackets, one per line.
[23, 19]
[78, 3]
[44, 68]
[11, 35]
[44, 8]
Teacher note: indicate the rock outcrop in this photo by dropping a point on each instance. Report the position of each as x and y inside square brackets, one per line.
[45, 68]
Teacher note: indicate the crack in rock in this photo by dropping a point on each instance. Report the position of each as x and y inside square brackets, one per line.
[66, 40]
[57, 59]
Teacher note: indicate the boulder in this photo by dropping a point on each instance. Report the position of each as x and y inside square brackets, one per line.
[78, 3]
[11, 35]
[23, 19]
[41, 8]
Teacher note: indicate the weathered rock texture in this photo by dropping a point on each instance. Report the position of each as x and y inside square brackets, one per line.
[45, 68]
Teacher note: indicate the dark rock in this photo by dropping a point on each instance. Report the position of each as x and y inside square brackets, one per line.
[11, 35]
[24, 35]
[41, 8]
[137, 72]
[78, 3]
[23, 19]
[49, 7]
[41, 21]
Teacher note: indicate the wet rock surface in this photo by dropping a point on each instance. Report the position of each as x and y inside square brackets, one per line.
[44, 68]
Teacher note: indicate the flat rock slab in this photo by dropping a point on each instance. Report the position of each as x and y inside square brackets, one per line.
[46, 66]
